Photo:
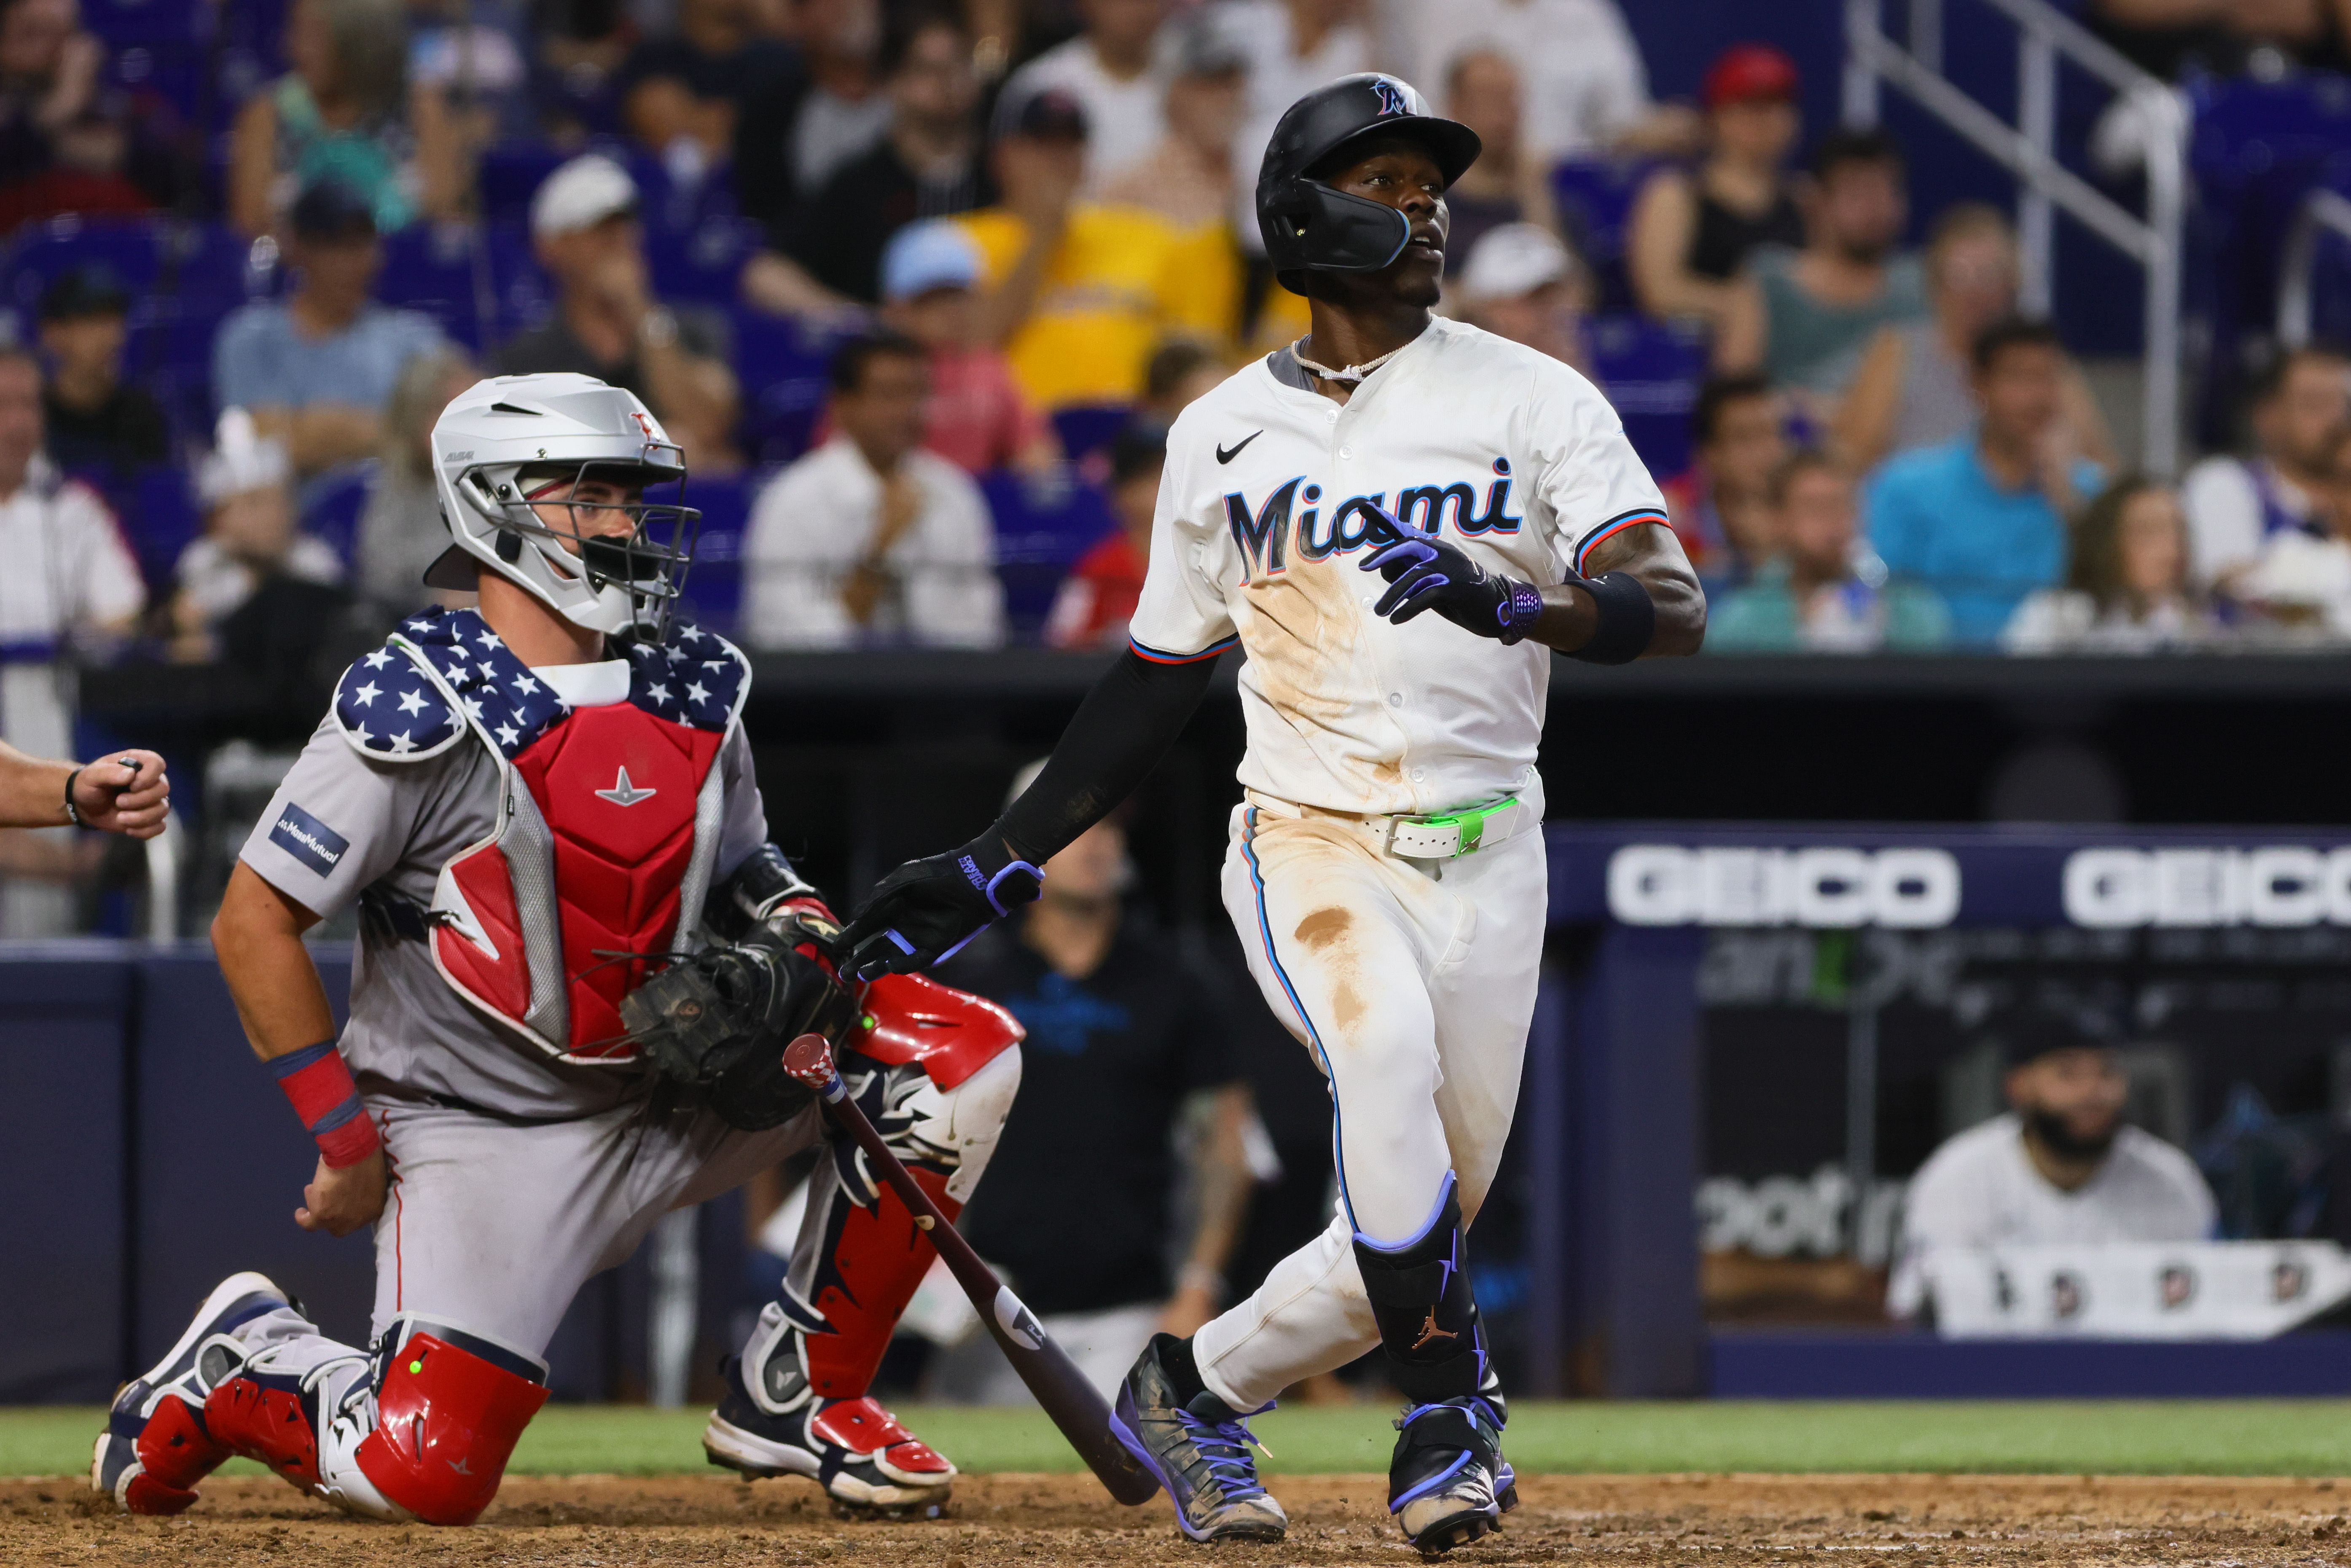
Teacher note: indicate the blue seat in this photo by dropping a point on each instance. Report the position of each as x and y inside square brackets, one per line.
[172, 72]
[714, 585]
[704, 264]
[444, 271]
[1040, 535]
[159, 522]
[124, 23]
[331, 505]
[780, 363]
[38, 253]
[508, 173]
[2256, 151]
[1596, 197]
[1090, 427]
[1650, 373]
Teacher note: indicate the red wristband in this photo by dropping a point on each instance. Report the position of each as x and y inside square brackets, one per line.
[319, 1086]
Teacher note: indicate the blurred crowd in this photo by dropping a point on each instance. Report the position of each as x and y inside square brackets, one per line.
[918, 286]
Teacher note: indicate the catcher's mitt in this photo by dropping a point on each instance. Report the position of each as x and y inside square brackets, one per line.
[718, 1022]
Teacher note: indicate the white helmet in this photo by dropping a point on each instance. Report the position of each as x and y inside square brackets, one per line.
[504, 439]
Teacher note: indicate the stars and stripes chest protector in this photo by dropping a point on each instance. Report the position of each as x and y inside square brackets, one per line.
[608, 818]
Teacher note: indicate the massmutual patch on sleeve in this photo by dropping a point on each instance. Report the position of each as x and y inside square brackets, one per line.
[309, 839]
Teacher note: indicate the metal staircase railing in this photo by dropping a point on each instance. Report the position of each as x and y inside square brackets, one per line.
[2028, 151]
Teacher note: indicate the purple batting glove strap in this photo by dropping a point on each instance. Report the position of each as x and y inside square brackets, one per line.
[1519, 609]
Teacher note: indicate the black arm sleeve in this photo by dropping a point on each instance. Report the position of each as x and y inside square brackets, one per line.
[1122, 730]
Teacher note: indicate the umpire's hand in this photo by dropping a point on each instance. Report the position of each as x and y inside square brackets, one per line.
[927, 909]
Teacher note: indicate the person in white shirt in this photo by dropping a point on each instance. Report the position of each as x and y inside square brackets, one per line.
[1587, 90]
[2061, 1166]
[870, 538]
[251, 534]
[2237, 505]
[68, 578]
[1108, 68]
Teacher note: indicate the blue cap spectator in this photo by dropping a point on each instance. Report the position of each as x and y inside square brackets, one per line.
[315, 371]
[924, 256]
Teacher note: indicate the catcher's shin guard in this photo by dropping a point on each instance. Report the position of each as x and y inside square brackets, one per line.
[449, 1407]
[796, 1401]
[156, 1445]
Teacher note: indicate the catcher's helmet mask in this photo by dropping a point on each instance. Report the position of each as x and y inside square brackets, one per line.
[1308, 225]
[603, 444]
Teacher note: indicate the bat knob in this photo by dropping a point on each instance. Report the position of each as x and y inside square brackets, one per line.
[808, 1058]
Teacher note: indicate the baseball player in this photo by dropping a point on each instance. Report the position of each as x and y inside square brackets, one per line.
[127, 793]
[534, 807]
[1398, 518]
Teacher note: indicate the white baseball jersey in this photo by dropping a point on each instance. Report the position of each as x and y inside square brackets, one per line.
[1262, 529]
[1982, 1189]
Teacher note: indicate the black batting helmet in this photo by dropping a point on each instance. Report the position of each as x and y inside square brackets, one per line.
[1308, 225]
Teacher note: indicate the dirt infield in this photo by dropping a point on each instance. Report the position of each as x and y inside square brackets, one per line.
[1064, 1521]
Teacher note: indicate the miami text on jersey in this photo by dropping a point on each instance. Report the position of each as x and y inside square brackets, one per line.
[1264, 533]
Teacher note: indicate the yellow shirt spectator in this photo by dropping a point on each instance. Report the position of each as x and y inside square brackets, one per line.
[1121, 279]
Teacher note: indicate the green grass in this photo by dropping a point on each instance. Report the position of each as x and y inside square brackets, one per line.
[2120, 1437]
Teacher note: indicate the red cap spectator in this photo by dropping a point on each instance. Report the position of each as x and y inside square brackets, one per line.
[1745, 73]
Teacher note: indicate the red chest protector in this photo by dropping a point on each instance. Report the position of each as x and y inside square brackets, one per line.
[609, 820]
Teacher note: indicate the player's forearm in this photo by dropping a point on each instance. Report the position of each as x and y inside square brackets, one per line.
[1650, 554]
[32, 790]
[258, 937]
[1122, 730]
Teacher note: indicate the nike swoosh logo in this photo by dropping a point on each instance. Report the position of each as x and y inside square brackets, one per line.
[1225, 455]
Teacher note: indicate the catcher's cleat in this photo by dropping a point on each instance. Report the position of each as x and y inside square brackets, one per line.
[155, 1446]
[867, 1463]
[1444, 1481]
[1200, 1452]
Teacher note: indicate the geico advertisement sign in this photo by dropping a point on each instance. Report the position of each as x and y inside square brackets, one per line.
[2278, 885]
[1666, 884]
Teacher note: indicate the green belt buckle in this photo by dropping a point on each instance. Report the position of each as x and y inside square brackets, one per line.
[1469, 823]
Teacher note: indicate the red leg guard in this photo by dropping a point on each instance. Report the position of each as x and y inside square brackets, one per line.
[175, 1453]
[878, 1260]
[446, 1421]
[266, 1424]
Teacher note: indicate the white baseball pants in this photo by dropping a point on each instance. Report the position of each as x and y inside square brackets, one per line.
[1413, 983]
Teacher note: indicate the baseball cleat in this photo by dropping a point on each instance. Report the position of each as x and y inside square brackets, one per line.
[1199, 1451]
[155, 1446]
[1445, 1481]
[867, 1463]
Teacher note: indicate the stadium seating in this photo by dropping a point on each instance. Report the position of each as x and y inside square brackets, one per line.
[331, 505]
[714, 585]
[1596, 198]
[780, 363]
[1652, 373]
[1086, 428]
[158, 523]
[2257, 148]
[1040, 532]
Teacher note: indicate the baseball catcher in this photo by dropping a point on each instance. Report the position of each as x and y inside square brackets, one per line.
[580, 960]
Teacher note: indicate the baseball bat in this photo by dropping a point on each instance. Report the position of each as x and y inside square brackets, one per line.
[1051, 1376]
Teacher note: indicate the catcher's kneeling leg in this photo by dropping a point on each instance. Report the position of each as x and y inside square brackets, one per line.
[796, 1399]
[421, 1431]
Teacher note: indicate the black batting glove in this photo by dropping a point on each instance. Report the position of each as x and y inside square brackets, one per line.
[927, 909]
[1425, 572]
